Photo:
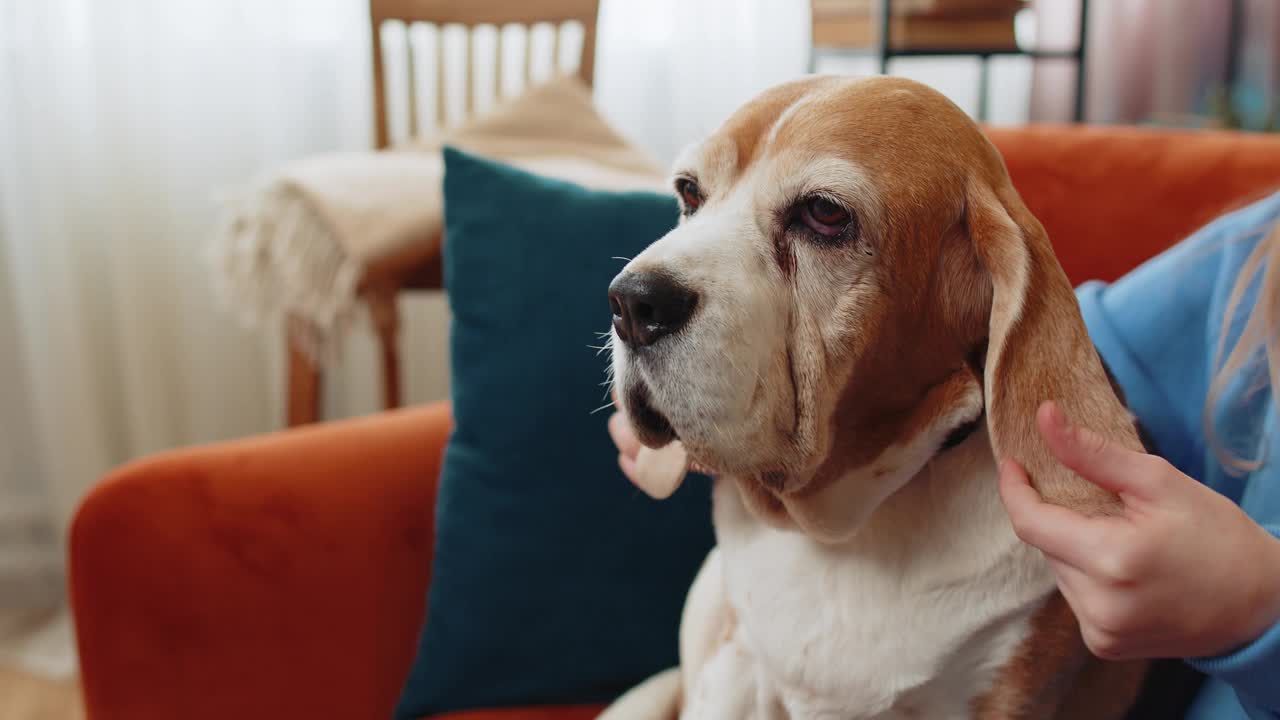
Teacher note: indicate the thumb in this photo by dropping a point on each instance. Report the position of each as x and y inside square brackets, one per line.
[1094, 457]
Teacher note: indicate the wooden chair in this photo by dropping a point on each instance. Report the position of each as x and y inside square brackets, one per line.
[420, 269]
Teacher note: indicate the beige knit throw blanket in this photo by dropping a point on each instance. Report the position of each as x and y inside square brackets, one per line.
[298, 242]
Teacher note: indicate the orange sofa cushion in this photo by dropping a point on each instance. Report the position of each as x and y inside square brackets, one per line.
[270, 578]
[1111, 197]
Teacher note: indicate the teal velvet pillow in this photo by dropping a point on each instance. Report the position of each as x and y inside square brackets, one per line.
[554, 579]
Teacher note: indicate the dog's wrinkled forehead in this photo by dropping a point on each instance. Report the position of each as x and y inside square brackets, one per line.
[909, 140]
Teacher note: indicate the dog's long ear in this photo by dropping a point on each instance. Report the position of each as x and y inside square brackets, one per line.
[1038, 348]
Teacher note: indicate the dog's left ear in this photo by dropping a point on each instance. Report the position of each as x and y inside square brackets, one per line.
[1038, 348]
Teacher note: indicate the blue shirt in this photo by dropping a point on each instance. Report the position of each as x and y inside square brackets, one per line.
[1158, 329]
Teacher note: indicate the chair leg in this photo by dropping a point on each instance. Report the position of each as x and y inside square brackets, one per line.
[305, 386]
[386, 319]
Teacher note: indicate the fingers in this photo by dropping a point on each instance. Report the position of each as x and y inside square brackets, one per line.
[1095, 458]
[628, 465]
[1072, 581]
[624, 436]
[1057, 531]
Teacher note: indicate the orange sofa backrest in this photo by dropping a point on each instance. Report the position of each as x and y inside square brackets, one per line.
[1111, 197]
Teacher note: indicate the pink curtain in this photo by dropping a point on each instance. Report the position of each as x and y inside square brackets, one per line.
[1156, 60]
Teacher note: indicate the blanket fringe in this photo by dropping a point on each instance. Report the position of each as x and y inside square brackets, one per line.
[275, 257]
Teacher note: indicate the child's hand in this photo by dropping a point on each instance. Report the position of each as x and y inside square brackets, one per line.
[1183, 572]
[624, 436]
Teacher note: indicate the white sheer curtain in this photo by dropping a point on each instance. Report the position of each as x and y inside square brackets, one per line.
[669, 71]
[122, 124]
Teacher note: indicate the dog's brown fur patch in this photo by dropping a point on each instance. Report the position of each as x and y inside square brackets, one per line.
[1028, 688]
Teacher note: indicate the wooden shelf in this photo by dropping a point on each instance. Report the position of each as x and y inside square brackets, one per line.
[850, 30]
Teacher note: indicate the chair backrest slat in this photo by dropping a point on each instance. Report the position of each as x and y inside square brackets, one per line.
[468, 14]
[411, 82]
[468, 83]
[441, 84]
[555, 50]
[528, 55]
[497, 68]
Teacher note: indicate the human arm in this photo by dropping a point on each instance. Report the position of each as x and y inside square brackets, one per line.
[1182, 572]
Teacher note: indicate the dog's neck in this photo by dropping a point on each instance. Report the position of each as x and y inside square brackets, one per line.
[951, 504]
[953, 494]
[838, 498]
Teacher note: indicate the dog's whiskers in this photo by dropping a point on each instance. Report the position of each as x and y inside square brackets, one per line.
[608, 343]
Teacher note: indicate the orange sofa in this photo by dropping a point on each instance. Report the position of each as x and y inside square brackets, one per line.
[284, 576]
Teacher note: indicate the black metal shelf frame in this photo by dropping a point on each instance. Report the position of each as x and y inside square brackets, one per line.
[884, 52]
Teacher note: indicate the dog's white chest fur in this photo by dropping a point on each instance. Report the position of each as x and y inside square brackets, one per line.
[909, 619]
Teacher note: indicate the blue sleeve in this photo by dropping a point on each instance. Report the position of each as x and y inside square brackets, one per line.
[1253, 671]
[1157, 328]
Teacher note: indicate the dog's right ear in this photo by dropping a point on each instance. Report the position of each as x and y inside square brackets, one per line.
[1038, 348]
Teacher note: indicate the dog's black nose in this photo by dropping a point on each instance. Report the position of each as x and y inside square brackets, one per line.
[648, 306]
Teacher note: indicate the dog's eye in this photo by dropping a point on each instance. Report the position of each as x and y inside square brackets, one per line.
[690, 194]
[824, 216]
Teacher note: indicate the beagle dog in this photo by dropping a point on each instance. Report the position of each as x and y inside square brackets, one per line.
[854, 318]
